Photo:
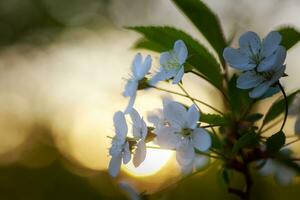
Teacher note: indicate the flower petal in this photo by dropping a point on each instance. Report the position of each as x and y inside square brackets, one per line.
[181, 51]
[284, 175]
[166, 137]
[164, 58]
[268, 168]
[250, 43]
[130, 104]
[120, 125]
[139, 154]
[270, 43]
[185, 154]
[248, 80]
[144, 69]
[159, 76]
[137, 64]
[273, 61]
[126, 153]
[130, 88]
[114, 165]
[178, 76]
[237, 59]
[200, 161]
[192, 117]
[175, 113]
[259, 90]
[201, 139]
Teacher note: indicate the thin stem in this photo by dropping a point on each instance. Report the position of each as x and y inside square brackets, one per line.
[187, 94]
[286, 106]
[183, 95]
[292, 142]
[198, 152]
[200, 75]
[209, 126]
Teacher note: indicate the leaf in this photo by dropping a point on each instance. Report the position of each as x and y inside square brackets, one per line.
[239, 99]
[278, 108]
[205, 21]
[216, 142]
[246, 141]
[290, 37]
[213, 119]
[254, 117]
[157, 38]
[275, 142]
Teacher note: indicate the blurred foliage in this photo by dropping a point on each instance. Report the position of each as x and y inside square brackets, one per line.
[39, 20]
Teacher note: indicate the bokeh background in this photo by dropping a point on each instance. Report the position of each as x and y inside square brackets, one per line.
[62, 70]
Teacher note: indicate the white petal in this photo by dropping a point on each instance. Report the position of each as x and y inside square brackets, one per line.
[249, 80]
[181, 51]
[159, 76]
[270, 43]
[187, 169]
[297, 126]
[201, 161]
[175, 114]
[178, 76]
[277, 59]
[120, 125]
[185, 154]
[250, 42]
[130, 88]
[192, 117]
[137, 64]
[114, 165]
[140, 153]
[126, 154]
[284, 175]
[237, 59]
[201, 139]
[144, 69]
[155, 116]
[130, 104]
[259, 90]
[268, 168]
[139, 127]
[166, 137]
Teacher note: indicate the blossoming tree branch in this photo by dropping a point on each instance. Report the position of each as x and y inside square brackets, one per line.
[234, 135]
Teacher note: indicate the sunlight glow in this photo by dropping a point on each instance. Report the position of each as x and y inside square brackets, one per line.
[155, 160]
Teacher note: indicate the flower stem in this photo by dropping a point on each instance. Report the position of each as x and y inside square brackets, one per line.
[286, 106]
[187, 94]
[184, 95]
[292, 142]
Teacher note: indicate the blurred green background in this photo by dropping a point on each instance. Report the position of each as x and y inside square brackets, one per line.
[61, 69]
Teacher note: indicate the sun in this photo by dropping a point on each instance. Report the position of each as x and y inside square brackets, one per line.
[155, 160]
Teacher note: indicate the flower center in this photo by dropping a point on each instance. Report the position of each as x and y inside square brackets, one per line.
[185, 132]
[172, 63]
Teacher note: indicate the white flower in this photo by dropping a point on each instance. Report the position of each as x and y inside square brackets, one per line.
[140, 131]
[119, 149]
[198, 163]
[283, 174]
[181, 132]
[139, 70]
[254, 53]
[294, 110]
[172, 64]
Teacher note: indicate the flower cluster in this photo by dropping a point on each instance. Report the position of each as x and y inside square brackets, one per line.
[234, 138]
[262, 62]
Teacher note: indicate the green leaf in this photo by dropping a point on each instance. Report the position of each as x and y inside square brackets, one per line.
[239, 99]
[278, 107]
[216, 142]
[290, 36]
[246, 141]
[213, 119]
[206, 22]
[275, 142]
[162, 39]
[254, 117]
